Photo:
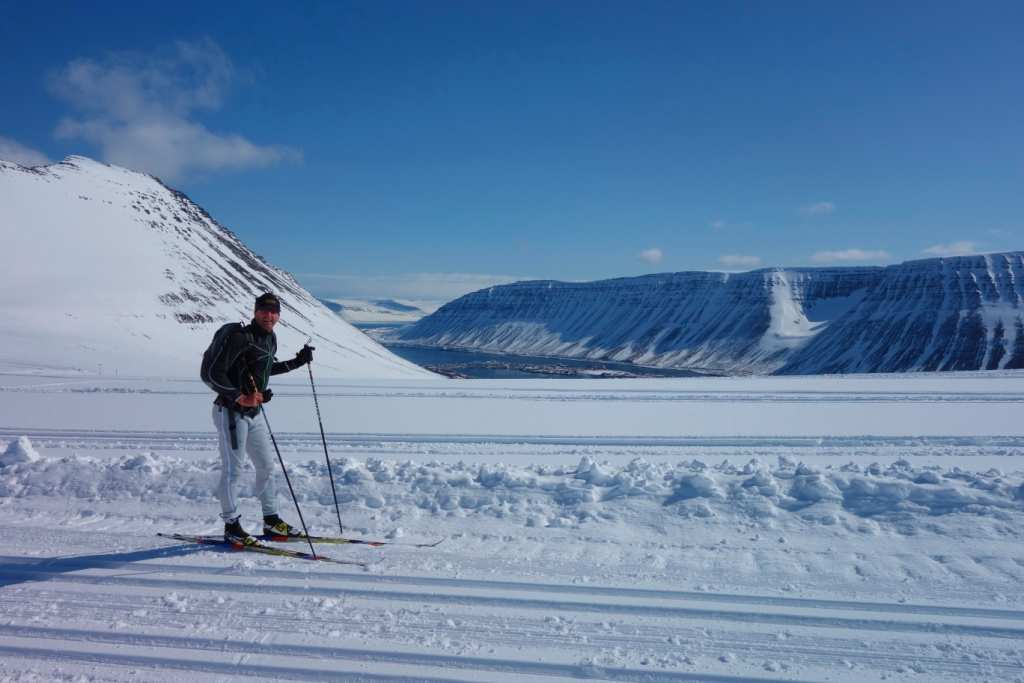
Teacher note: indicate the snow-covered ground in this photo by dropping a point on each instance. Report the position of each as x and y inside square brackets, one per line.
[854, 528]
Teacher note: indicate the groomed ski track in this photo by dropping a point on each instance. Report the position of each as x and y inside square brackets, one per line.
[205, 441]
[966, 451]
[164, 612]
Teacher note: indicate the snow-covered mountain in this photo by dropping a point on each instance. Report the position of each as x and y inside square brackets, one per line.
[937, 314]
[110, 271]
[379, 310]
[962, 313]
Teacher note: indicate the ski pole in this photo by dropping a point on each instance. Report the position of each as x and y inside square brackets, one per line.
[330, 472]
[287, 479]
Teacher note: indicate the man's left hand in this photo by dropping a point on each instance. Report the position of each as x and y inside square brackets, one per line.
[305, 355]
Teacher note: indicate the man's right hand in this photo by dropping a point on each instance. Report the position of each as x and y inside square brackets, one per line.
[250, 400]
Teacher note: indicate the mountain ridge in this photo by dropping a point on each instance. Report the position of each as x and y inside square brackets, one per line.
[769, 320]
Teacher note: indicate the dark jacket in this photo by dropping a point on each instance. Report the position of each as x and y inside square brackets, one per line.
[244, 364]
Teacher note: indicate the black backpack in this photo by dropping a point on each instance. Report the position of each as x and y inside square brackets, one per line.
[220, 340]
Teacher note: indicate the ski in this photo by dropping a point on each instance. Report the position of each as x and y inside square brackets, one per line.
[259, 548]
[339, 540]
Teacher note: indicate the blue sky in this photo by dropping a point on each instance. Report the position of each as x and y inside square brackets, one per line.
[425, 149]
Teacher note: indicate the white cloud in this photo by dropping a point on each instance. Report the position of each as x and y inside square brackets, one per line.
[818, 209]
[436, 287]
[847, 255]
[140, 111]
[653, 255]
[171, 149]
[720, 224]
[954, 249]
[12, 150]
[739, 260]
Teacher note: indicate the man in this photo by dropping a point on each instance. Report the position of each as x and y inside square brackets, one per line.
[238, 366]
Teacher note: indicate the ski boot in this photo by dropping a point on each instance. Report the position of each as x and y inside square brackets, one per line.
[276, 529]
[236, 535]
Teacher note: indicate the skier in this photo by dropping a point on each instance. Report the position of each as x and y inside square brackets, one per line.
[238, 365]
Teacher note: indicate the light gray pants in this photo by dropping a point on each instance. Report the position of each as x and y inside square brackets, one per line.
[252, 438]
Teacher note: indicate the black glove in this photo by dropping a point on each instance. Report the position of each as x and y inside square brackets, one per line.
[267, 395]
[305, 355]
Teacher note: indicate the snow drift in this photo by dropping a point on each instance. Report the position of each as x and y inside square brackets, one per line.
[18, 451]
[861, 497]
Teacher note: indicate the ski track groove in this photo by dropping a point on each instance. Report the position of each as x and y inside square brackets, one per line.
[564, 394]
[333, 654]
[820, 651]
[245, 649]
[57, 567]
[229, 669]
[548, 605]
[187, 441]
[823, 651]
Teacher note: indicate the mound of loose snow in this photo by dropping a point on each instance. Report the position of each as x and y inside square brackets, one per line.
[19, 450]
[900, 498]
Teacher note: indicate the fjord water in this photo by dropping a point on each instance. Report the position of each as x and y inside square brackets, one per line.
[481, 365]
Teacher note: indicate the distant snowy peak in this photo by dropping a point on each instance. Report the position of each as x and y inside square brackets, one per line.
[397, 306]
[379, 310]
[119, 270]
[794, 320]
